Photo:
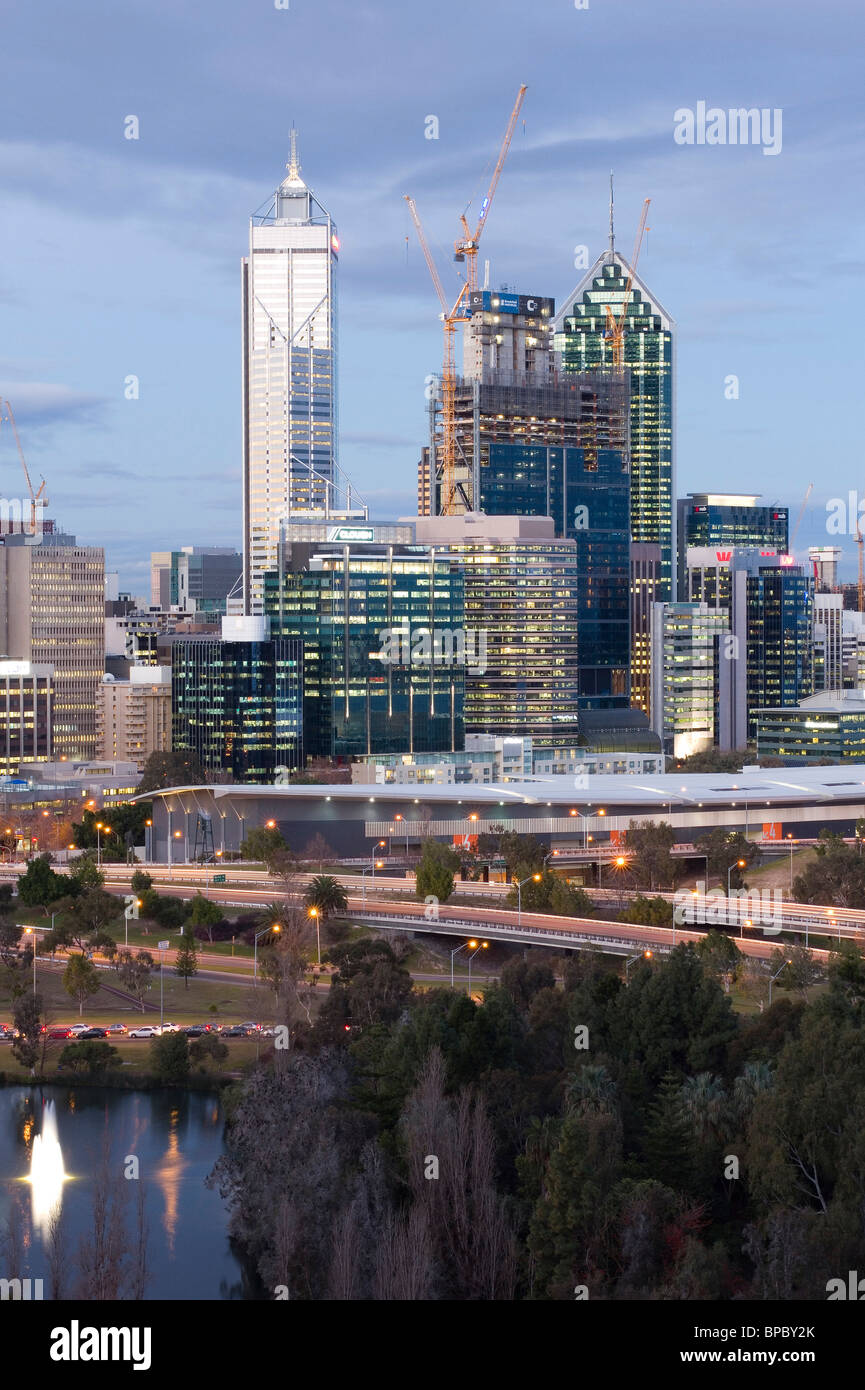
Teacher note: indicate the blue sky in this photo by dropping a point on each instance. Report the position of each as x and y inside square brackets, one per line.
[121, 257]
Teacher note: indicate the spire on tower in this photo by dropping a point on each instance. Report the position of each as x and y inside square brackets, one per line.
[293, 165]
[612, 230]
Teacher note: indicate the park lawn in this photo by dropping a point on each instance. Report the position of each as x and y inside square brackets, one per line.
[135, 1056]
[233, 1000]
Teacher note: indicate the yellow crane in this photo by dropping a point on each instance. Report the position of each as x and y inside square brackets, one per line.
[465, 251]
[615, 331]
[34, 496]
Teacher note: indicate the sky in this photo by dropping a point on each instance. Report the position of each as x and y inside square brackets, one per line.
[121, 258]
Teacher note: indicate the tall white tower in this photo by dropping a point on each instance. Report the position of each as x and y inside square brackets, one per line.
[289, 370]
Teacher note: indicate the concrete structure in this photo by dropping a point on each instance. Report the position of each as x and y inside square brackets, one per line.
[823, 560]
[487, 760]
[26, 713]
[102, 783]
[52, 612]
[764, 803]
[829, 727]
[289, 370]
[685, 660]
[134, 715]
[828, 645]
[195, 580]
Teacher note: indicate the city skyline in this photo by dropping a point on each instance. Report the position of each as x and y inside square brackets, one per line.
[153, 229]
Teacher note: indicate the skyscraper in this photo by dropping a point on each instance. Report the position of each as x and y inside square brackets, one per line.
[289, 370]
[728, 519]
[584, 345]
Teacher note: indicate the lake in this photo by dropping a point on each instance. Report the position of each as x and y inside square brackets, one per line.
[73, 1151]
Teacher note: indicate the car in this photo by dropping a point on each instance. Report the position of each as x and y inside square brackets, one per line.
[146, 1032]
[57, 1033]
[92, 1033]
[170, 1028]
[193, 1031]
[115, 1027]
[79, 1027]
[250, 1027]
[235, 1032]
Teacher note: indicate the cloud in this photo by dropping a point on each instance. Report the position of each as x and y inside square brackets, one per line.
[40, 403]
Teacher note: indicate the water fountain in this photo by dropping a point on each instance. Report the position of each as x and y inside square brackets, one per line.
[46, 1172]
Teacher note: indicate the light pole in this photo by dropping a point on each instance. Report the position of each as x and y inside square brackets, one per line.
[99, 829]
[532, 878]
[739, 864]
[456, 952]
[774, 978]
[641, 955]
[790, 838]
[148, 841]
[483, 946]
[370, 869]
[276, 927]
[28, 931]
[162, 946]
[314, 914]
[399, 817]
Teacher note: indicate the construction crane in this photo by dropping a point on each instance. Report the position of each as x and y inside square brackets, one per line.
[34, 496]
[615, 331]
[795, 531]
[466, 246]
[465, 251]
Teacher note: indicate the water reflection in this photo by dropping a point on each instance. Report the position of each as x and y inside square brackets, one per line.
[169, 1175]
[46, 1173]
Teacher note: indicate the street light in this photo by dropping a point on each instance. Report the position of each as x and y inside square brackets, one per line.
[456, 952]
[790, 838]
[747, 923]
[399, 817]
[28, 931]
[314, 914]
[532, 878]
[483, 946]
[739, 864]
[370, 869]
[775, 976]
[641, 955]
[276, 927]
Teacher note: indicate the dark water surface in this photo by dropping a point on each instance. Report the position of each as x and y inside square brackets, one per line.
[176, 1137]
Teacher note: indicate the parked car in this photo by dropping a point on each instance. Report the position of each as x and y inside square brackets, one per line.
[235, 1032]
[79, 1027]
[57, 1033]
[92, 1033]
[115, 1027]
[146, 1032]
[250, 1027]
[170, 1028]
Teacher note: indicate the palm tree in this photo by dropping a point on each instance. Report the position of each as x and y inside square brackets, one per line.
[326, 895]
[704, 1102]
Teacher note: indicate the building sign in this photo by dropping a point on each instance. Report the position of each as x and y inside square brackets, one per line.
[351, 533]
[772, 830]
[466, 842]
[528, 305]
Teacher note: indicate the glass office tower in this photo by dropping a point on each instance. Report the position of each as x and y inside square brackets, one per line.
[237, 701]
[289, 370]
[726, 519]
[649, 357]
[384, 670]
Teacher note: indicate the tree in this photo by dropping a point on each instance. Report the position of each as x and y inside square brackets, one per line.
[90, 914]
[370, 986]
[800, 971]
[80, 979]
[835, 877]
[318, 849]
[204, 913]
[327, 895]
[135, 971]
[140, 881]
[435, 873]
[39, 885]
[179, 768]
[127, 827]
[85, 873]
[262, 843]
[547, 892]
[523, 852]
[719, 954]
[169, 1057]
[647, 848]
[648, 912]
[207, 1048]
[92, 1056]
[10, 936]
[186, 959]
[27, 1018]
[724, 849]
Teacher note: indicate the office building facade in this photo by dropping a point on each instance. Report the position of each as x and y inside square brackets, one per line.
[195, 579]
[52, 613]
[237, 701]
[26, 714]
[827, 727]
[134, 715]
[289, 370]
[521, 598]
[383, 632]
[729, 521]
[684, 648]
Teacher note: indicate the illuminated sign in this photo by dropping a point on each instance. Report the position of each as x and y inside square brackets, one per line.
[723, 556]
[351, 533]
